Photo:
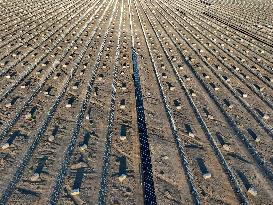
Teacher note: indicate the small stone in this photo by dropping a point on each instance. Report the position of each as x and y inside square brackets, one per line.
[178, 107]
[75, 192]
[51, 138]
[165, 157]
[28, 116]
[266, 117]
[172, 88]
[122, 177]
[226, 147]
[191, 134]
[122, 138]
[207, 175]
[253, 191]
[5, 146]
[35, 177]
[210, 117]
[83, 147]
[258, 139]
[8, 105]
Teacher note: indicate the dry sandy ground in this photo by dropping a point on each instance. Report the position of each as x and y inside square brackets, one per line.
[70, 118]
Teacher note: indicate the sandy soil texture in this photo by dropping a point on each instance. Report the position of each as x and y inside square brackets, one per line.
[136, 102]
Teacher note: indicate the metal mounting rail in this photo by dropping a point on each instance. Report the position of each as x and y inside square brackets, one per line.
[146, 164]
